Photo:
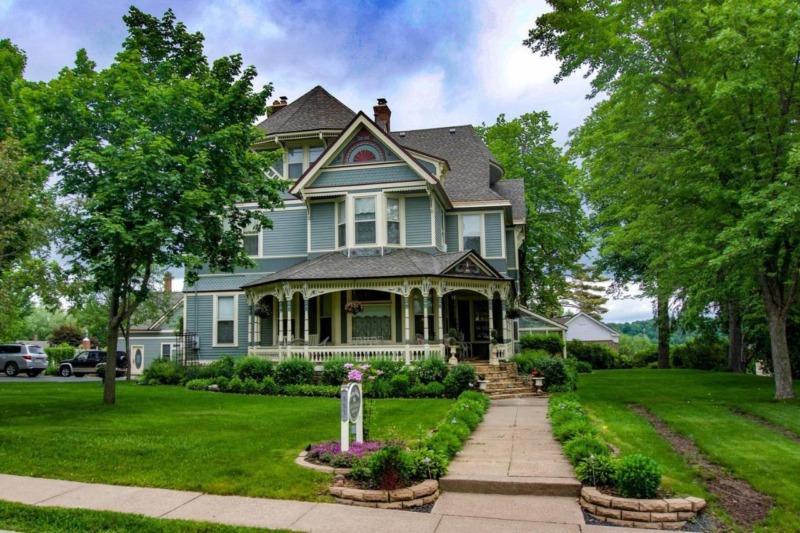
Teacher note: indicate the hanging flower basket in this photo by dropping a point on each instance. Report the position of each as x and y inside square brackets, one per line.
[263, 310]
[353, 307]
[513, 313]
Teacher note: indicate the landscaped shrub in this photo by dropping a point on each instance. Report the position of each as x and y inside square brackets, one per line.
[597, 470]
[222, 383]
[235, 385]
[468, 416]
[552, 344]
[253, 367]
[434, 389]
[294, 372]
[322, 391]
[701, 354]
[400, 386]
[163, 372]
[459, 379]
[269, 387]
[526, 361]
[225, 366]
[554, 370]
[386, 367]
[427, 464]
[455, 426]
[390, 467]
[638, 476]
[56, 354]
[332, 454]
[251, 386]
[583, 367]
[419, 391]
[431, 369]
[378, 388]
[199, 384]
[334, 372]
[584, 446]
[599, 356]
[445, 442]
[566, 430]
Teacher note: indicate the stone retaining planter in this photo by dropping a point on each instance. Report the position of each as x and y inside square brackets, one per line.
[422, 494]
[669, 514]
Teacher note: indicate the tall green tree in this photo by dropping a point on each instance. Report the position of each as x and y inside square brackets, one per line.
[555, 227]
[152, 155]
[703, 110]
[585, 291]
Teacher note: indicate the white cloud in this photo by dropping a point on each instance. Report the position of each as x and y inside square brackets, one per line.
[629, 306]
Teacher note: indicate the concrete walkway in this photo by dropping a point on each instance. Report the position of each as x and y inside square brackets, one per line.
[510, 477]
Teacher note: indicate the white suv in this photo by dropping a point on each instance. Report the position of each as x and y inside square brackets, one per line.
[28, 358]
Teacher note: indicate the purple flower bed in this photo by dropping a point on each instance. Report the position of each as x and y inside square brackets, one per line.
[331, 452]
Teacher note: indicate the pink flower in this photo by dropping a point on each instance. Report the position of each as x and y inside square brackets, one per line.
[379, 372]
[348, 366]
[372, 378]
[354, 375]
[364, 368]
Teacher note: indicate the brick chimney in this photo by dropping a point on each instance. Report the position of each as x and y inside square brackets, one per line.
[383, 115]
[167, 282]
[277, 105]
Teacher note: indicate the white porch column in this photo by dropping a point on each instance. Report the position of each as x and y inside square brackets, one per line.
[492, 347]
[425, 331]
[290, 333]
[441, 321]
[250, 328]
[505, 320]
[280, 328]
[305, 326]
[407, 328]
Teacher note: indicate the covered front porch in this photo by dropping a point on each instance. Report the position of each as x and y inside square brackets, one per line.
[405, 318]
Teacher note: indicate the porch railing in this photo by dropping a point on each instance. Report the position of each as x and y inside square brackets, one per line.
[319, 354]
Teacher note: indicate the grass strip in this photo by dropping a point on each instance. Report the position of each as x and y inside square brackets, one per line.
[20, 517]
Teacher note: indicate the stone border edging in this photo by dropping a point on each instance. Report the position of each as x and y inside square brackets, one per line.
[301, 460]
[670, 513]
[421, 494]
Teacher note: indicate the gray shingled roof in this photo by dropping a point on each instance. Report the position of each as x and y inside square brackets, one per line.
[175, 299]
[465, 151]
[513, 191]
[315, 110]
[403, 262]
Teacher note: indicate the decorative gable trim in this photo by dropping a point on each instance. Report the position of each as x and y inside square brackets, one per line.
[472, 265]
[360, 123]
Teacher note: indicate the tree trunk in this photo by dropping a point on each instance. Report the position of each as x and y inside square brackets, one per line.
[735, 341]
[776, 305]
[112, 334]
[662, 323]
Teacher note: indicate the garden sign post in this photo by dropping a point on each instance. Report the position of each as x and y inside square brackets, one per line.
[352, 413]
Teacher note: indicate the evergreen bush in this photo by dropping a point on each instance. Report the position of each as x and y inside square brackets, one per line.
[638, 476]
[294, 372]
[163, 372]
[584, 446]
[459, 379]
[253, 367]
[597, 471]
[400, 386]
[599, 356]
[431, 369]
[552, 344]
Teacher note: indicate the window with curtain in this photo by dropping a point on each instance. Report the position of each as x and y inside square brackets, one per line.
[342, 224]
[295, 156]
[393, 221]
[471, 233]
[225, 319]
[365, 220]
[250, 237]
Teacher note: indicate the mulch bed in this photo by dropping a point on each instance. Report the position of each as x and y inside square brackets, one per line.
[746, 506]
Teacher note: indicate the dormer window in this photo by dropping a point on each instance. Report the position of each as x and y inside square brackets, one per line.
[471, 233]
[365, 220]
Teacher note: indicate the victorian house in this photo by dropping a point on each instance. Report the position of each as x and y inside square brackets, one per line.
[388, 243]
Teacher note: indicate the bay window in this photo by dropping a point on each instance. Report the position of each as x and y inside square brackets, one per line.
[365, 220]
[295, 158]
[341, 210]
[393, 221]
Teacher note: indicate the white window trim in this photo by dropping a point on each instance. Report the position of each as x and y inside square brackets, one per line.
[340, 245]
[260, 235]
[351, 220]
[235, 343]
[461, 232]
[401, 221]
[306, 156]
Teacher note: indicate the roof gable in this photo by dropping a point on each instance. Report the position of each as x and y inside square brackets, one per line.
[315, 110]
[364, 139]
[581, 314]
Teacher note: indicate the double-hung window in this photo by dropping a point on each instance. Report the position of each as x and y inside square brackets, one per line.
[341, 210]
[225, 319]
[393, 221]
[471, 233]
[314, 152]
[295, 156]
[250, 238]
[365, 220]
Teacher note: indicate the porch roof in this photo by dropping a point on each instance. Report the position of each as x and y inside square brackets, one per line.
[398, 263]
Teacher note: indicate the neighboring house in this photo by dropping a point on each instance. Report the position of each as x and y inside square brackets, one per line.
[583, 327]
[157, 339]
[530, 322]
[386, 240]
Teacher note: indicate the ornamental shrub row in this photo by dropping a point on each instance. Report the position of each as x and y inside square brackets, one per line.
[635, 476]
[560, 374]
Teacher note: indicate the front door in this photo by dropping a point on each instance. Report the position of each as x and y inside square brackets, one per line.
[137, 360]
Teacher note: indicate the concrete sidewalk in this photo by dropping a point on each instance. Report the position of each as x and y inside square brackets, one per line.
[509, 477]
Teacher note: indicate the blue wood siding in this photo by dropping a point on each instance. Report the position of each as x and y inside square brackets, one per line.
[492, 223]
[418, 221]
[323, 226]
[498, 264]
[364, 176]
[288, 233]
[451, 233]
[202, 307]
[511, 249]
[427, 165]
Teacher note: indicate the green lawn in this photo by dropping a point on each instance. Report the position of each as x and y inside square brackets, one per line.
[18, 517]
[170, 437]
[698, 404]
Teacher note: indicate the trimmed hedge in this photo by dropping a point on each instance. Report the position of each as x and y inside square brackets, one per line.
[552, 344]
[599, 356]
[56, 354]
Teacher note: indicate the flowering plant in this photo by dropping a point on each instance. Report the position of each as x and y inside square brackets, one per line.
[535, 373]
[331, 452]
[353, 307]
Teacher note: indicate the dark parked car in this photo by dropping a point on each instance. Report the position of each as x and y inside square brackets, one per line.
[18, 357]
[86, 363]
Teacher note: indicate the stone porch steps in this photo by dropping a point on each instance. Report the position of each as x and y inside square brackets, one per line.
[502, 381]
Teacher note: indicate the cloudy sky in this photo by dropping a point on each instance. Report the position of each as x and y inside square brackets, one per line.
[438, 63]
